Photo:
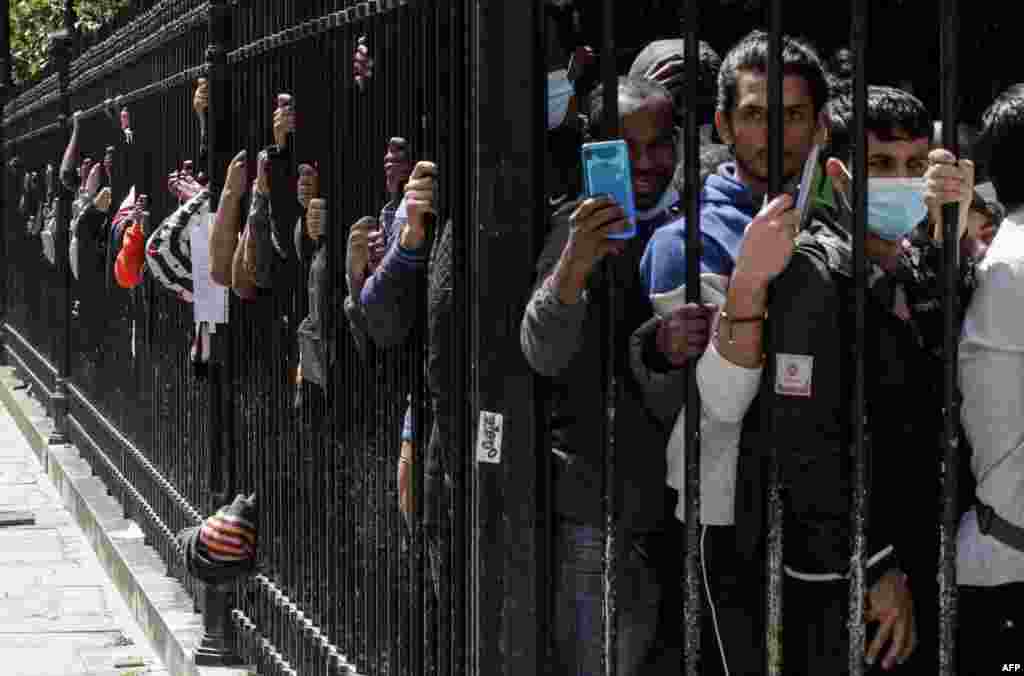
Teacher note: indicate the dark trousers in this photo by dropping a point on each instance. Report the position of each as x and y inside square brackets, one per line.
[990, 635]
[647, 601]
[733, 628]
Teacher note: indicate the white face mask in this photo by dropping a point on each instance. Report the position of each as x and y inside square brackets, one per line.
[895, 206]
[559, 92]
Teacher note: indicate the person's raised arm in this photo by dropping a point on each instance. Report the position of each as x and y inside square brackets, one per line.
[357, 260]
[131, 259]
[226, 223]
[765, 252]
[201, 104]
[68, 171]
[554, 317]
[307, 188]
[389, 296]
[286, 210]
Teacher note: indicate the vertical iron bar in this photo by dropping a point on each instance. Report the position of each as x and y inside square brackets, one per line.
[465, 264]
[861, 488]
[775, 505]
[217, 646]
[691, 196]
[509, 215]
[5, 181]
[61, 46]
[357, 434]
[423, 109]
[950, 406]
[610, 127]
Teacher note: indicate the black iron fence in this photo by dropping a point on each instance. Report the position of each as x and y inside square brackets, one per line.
[345, 582]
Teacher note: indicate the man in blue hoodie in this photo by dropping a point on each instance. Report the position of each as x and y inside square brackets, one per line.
[730, 198]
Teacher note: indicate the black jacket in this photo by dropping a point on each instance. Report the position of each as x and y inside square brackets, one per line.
[811, 314]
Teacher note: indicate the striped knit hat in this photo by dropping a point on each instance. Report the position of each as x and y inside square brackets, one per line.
[230, 534]
[169, 249]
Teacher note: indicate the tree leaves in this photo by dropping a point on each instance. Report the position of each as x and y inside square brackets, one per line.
[32, 21]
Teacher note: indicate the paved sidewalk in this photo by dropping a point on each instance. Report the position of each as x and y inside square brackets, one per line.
[59, 613]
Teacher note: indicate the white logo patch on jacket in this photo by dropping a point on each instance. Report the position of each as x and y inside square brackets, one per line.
[793, 374]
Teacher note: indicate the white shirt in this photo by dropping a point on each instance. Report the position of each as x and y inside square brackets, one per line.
[992, 381]
[726, 391]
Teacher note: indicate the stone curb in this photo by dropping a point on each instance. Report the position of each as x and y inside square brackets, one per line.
[173, 647]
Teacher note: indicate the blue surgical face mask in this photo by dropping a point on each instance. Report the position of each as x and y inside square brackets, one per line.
[559, 93]
[895, 206]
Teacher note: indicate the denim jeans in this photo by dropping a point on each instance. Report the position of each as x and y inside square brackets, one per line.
[646, 642]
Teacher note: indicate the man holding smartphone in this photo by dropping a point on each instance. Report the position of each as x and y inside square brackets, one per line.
[803, 332]
[730, 198]
[563, 339]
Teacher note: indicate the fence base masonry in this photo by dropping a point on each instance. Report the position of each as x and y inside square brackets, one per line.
[159, 604]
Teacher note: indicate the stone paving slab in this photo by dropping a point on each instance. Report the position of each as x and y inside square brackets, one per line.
[35, 546]
[53, 609]
[52, 654]
[16, 578]
[24, 496]
[59, 612]
[16, 472]
[164, 614]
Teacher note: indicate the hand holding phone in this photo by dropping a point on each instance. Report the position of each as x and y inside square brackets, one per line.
[607, 171]
[808, 180]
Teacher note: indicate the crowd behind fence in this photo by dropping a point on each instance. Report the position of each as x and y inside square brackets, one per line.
[341, 572]
[468, 578]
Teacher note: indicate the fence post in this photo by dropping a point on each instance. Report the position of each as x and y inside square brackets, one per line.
[216, 649]
[60, 53]
[5, 90]
[508, 213]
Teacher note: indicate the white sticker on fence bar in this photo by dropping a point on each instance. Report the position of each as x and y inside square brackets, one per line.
[488, 437]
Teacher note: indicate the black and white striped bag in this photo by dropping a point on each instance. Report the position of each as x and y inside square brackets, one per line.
[169, 249]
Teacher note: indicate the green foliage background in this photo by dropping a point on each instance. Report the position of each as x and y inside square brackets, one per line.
[33, 20]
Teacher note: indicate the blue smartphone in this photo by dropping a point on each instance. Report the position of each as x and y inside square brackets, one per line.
[607, 171]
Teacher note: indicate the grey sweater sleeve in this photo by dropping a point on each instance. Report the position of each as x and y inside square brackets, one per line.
[357, 324]
[663, 387]
[551, 331]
